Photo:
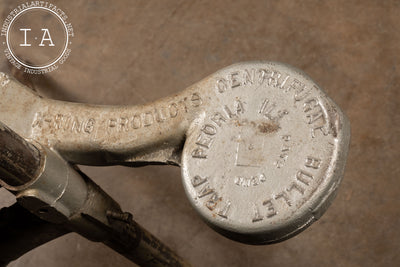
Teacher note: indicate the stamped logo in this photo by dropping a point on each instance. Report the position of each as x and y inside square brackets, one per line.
[37, 37]
[262, 155]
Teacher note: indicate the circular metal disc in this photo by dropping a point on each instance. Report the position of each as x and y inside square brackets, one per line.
[265, 161]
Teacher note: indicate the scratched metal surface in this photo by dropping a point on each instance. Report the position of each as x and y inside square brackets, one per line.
[132, 52]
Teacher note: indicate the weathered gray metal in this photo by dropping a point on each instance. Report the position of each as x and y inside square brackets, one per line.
[261, 146]
[19, 160]
[265, 160]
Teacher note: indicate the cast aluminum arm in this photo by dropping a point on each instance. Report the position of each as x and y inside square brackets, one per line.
[261, 147]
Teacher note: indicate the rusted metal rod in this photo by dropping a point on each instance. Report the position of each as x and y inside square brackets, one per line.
[19, 160]
[59, 194]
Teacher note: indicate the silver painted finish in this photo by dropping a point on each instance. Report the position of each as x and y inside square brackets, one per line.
[266, 160]
[57, 193]
[264, 147]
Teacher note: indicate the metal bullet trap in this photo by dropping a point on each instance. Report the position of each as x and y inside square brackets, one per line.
[261, 147]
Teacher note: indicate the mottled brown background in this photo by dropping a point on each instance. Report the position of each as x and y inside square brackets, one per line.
[132, 52]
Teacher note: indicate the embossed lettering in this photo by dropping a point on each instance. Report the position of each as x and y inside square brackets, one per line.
[147, 118]
[76, 125]
[199, 153]
[209, 129]
[112, 122]
[234, 79]
[300, 90]
[267, 109]
[196, 100]
[204, 141]
[136, 122]
[89, 126]
[173, 110]
[205, 191]
[249, 76]
[123, 124]
[312, 162]
[297, 187]
[285, 197]
[213, 201]
[273, 78]
[316, 117]
[250, 181]
[160, 114]
[218, 119]
[38, 120]
[58, 121]
[221, 85]
[257, 216]
[224, 211]
[270, 208]
[238, 108]
[304, 177]
[284, 152]
[197, 180]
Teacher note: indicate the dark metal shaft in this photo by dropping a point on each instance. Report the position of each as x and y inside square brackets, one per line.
[19, 160]
[118, 230]
[81, 206]
[134, 242]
